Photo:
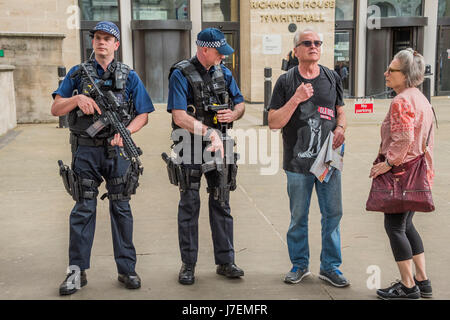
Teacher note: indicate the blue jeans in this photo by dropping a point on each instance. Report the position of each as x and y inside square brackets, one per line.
[299, 187]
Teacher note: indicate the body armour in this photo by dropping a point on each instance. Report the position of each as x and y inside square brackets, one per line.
[204, 95]
[114, 79]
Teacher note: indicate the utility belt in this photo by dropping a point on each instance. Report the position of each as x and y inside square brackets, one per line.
[77, 140]
[76, 186]
[180, 175]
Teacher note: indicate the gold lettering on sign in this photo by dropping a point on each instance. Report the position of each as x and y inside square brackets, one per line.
[295, 18]
[293, 4]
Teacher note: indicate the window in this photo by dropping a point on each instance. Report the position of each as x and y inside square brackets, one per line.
[160, 9]
[220, 10]
[99, 10]
[344, 9]
[444, 8]
[398, 8]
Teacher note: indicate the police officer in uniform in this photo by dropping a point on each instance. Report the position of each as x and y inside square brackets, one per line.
[193, 85]
[98, 158]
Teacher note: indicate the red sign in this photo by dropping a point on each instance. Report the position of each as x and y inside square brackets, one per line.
[363, 107]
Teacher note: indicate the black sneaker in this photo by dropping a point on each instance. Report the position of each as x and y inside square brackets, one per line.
[397, 291]
[73, 283]
[296, 275]
[335, 277]
[425, 288]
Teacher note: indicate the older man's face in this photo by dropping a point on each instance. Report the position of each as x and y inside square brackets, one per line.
[306, 49]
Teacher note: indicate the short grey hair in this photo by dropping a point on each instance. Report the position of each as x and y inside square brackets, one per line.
[412, 65]
[299, 33]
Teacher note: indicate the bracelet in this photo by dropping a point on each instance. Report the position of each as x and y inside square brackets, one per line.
[339, 125]
[387, 162]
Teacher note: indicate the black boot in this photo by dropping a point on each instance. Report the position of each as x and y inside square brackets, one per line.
[186, 275]
[229, 270]
[131, 281]
[69, 285]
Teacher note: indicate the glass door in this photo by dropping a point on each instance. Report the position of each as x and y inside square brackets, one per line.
[343, 58]
[224, 15]
[92, 12]
[443, 68]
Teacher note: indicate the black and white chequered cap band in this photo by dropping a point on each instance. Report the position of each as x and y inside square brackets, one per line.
[211, 44]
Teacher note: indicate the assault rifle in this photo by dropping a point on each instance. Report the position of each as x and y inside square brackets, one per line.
[227, 171]
[109, 105]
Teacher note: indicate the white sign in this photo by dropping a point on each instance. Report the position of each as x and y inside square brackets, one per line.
[271, 44]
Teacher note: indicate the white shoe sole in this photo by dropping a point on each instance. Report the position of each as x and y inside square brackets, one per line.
[297, 281]
[322, 277]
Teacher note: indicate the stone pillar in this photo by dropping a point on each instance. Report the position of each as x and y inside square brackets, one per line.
[8, 110]
[196, 18]
[36, 57]
[126, 37]
[429, 51]
[360, 38]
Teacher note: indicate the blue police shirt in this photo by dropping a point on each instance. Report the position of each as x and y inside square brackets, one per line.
[134, 86]
[181, 95]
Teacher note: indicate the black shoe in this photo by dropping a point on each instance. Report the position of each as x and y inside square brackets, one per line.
[229, 270]
[72, 283]
[131, 281]
[186, 275]
[425, 288]
[399, 292]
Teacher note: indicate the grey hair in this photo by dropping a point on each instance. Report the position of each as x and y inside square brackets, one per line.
[412, 65]
[299, 33]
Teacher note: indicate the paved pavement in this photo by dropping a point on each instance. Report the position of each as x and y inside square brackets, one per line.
[35, 214]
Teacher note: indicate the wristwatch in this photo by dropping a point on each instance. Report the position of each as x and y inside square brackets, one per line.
[339, 125]
[387, 162]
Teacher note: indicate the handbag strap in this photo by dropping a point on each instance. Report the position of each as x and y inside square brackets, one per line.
[428, 139]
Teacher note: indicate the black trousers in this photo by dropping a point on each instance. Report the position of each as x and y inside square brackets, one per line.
[220, 220]
[404, 238]
[93, 163]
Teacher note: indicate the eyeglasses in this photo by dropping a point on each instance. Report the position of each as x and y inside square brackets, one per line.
[390, 70]
[308, 43]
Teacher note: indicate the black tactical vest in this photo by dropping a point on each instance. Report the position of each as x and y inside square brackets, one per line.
[203, 94]
[114, 79]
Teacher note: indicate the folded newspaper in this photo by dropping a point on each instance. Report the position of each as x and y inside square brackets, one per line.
[328, 160]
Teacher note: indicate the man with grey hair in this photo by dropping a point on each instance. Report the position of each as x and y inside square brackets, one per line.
[310, 91]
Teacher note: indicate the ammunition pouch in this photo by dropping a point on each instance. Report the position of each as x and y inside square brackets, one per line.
[130, 181]
[75, 185]
[182, 176]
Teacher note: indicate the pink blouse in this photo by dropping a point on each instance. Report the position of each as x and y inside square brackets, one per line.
[405, 129]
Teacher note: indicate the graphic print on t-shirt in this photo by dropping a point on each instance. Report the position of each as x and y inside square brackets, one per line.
[315, 133]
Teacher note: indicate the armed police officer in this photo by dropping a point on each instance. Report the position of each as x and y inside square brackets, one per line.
[101, 153]
[203, 98]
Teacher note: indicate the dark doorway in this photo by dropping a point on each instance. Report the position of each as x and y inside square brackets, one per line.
[402, 38]
[382, 45]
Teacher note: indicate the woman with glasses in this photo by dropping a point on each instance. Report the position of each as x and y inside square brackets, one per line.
[404, 132]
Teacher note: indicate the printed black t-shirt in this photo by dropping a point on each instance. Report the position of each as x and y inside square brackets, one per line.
[311, 122]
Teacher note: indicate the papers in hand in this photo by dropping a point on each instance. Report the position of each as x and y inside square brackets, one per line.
[328, 160]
